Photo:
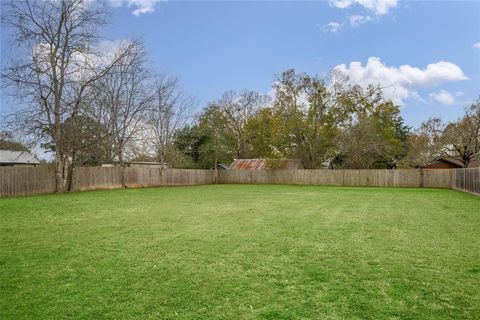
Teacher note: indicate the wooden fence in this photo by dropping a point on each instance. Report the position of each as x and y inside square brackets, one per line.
[23, 181]
[467, 180]
[26, 181]
[372, 178]
[92, 178]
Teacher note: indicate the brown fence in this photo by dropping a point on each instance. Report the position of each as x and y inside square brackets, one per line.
[19, 181]
[24, 181]
[372, 178]
[91, 178]
[467, 180]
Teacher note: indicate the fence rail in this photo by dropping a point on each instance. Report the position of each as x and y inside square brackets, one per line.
[24, 181]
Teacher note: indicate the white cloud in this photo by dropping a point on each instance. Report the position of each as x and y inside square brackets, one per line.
[476, 45]
[444, 97]
[402, 82]
[334, 26]
[358, 19]
[379, 7]
[140, 6]
[82, 65]
[354, 21]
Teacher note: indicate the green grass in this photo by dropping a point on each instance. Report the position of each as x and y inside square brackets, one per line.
[241, 252]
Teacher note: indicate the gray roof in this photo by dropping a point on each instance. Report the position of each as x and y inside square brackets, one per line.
[17, 157]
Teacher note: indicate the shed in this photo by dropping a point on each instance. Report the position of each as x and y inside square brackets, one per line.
[17, 158]
[267, 164]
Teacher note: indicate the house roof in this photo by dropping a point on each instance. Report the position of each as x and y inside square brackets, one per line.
[265, 164]
[456, 162]
[17, 157]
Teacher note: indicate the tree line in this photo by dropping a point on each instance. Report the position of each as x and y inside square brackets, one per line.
[327, 123]
[90, 104]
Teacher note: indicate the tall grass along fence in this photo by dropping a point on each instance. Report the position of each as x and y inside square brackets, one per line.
[23, 181]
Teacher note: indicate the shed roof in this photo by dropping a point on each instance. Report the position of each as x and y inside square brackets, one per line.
[266, 164]
[17, 157]
[223, 166]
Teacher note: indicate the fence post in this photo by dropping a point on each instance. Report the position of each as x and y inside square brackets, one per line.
[124, 184]
[27, 181]
[421, 178]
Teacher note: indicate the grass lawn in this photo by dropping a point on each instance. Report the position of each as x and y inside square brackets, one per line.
[241, 252]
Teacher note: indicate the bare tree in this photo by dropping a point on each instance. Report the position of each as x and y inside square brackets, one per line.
[424, 145]
[121, 98]
[239, 107]
[168, 113]
[54, 67]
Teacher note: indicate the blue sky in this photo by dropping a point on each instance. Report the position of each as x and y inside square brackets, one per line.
[217, 46]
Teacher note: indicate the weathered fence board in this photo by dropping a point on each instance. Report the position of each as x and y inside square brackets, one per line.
[91, 178]
[437, 178]
[371, 178]
[23, 181]
[467, 180]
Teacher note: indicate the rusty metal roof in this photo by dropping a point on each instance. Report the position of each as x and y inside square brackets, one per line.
[266, 164]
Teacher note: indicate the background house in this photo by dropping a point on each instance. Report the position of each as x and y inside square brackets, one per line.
[450, 163]
[17, 158]
[266, 164]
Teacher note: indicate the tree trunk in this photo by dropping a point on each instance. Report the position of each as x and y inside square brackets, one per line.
[60, 173]
[161, 158]
[70, 173]
[216, 166]
[421, 178]
[122, 165]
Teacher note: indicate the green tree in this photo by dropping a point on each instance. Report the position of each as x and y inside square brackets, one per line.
[7, 142]
[84, 142]
[220, 143]
[188, 142]
[461, 139]
[238, 108]
[374, 134]
[210, 140]
[262, 130]
[306, 116]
